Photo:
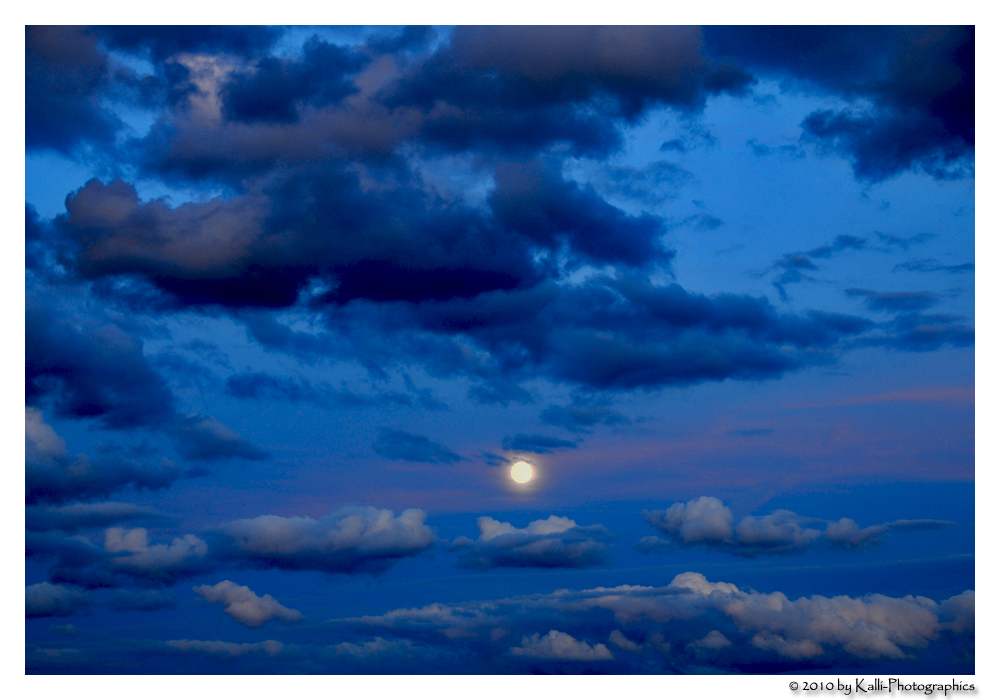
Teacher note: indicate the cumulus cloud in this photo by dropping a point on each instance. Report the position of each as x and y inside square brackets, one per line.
[349, 540]
[706, 521]
[53, 600]
[561, 646]
[245, 606]
[555, 542]
[699, 621]
[133, 555]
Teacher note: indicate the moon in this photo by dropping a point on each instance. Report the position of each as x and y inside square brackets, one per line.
[521, 472]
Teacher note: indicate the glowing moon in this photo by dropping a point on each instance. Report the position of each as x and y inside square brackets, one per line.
[521, 472]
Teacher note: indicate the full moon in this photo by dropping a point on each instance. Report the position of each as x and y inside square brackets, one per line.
[521, 472]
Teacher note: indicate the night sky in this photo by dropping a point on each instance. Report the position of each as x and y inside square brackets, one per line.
[297, 299]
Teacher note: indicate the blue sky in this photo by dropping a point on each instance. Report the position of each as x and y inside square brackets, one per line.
[298, 298]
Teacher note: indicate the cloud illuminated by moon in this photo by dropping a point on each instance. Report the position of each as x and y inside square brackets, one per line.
[521, 472]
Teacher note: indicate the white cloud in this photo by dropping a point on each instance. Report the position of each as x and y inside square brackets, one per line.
[561, 646]
[245, 606]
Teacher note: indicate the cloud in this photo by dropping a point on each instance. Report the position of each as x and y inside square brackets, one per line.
[89, 515]
[220, 648]
[792, 264]
[541, 444]
[561, 646]
[555, 542]
[895, 301]
[98, 371]
[348, 540]
[579, 416]
[714, 641]
[206, 439]
[912, 90]
[706, 521]
[902, 243]
[132, 554]
[694, 619]
[65, 73]
[245, 606]
[918, 332]
[933, 265]
[48, 600]
[53, 476]
[90, 370]
[397, 444]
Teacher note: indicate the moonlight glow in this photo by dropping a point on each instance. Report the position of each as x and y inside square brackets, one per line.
[521, 472]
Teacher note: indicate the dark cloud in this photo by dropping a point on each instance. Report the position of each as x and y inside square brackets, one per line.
[534, 200]
[932, 265]
[792, 264]
[542, 444]
[707, 522]
[206, 439]
[517, 87]
[82, 516]
[276, 89]
[65, 73]
[94, 371]
[60, 478]
[920, 82]
[163, 41]
[397, 444]
[263, 248]
[48, 600]
[555, 542]
[895, 301]
[627, 332]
